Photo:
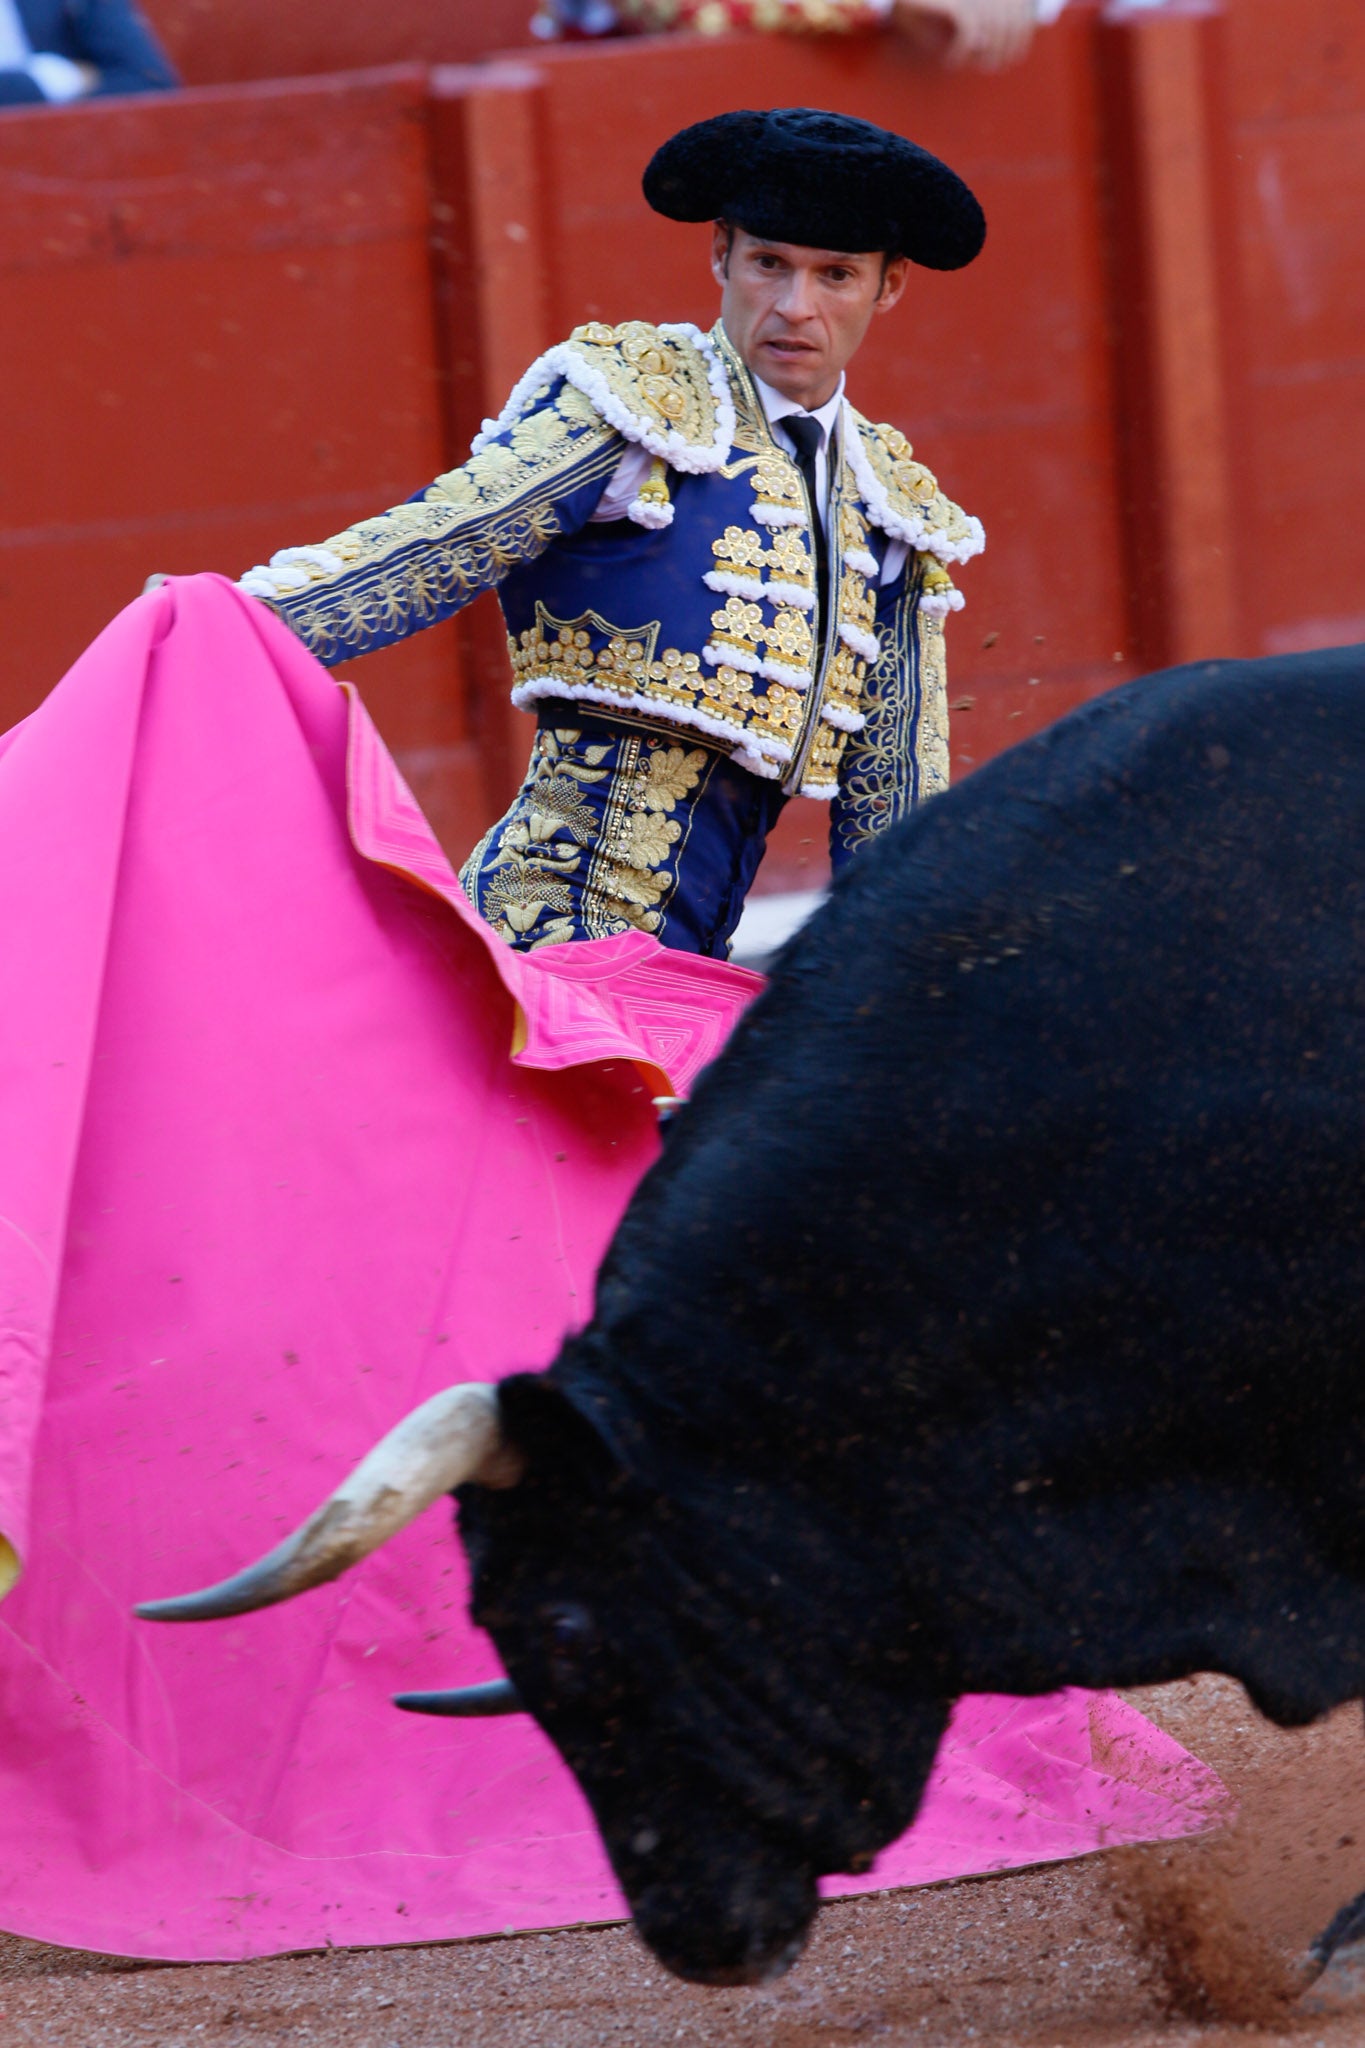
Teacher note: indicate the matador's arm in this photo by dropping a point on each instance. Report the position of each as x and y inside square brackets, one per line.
[533, 479]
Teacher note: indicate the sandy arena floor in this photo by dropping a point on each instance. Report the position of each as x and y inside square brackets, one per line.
[1157, 1949]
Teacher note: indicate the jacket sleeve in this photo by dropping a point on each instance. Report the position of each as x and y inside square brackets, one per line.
[536, 479]
[116, 38]
[901, 754]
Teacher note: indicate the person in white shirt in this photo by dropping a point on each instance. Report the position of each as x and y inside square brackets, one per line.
[989, 34]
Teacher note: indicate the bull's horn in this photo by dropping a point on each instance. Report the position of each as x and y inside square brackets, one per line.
[466, 1702]
[453, 1438]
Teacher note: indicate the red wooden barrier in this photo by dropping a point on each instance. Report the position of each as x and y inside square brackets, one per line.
[224, 42]
[1296, 150]
[217, 336]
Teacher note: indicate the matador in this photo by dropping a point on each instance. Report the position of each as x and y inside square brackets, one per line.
[722, 585]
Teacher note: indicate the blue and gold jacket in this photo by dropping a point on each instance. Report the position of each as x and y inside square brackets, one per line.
[699, 611]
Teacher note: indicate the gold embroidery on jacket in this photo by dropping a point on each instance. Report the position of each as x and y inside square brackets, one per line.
[634, 872]
[592, 660]
[931, 728]
[901, 755]
[660, 379]
[416, 563]
[558, 867]
[520, 872]
[912, 491]
[742, 548]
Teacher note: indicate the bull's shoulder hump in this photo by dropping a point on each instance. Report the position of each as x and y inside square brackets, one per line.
[904, 498]
[663, 387]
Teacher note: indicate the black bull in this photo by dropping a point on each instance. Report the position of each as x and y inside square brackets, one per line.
[991, 1323]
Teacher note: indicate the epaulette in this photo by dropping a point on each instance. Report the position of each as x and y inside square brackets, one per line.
[664, 388]
[902, 497]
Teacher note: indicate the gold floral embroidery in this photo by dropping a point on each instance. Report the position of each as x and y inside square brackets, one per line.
[523, 868]
[784, 551]
[519, 897]
[821, 777]
[670, 774]
[791, 637]
[744, 550]
[563, 864]
[791, 558]
[844, 683]
[557, 657]
[931, 727]
[633, 875]
[660, 379]
[857, 602]
[740, 621]
[556, 806]
[912, 490]
[646, 839]
[901, 755]
[777, 483]
[417, 563]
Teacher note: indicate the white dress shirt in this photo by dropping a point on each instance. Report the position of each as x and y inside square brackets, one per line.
[633, 467]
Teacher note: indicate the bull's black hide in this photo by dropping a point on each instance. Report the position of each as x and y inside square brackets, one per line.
[992, 1321]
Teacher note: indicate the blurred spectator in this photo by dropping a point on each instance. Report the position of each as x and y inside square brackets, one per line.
[60, 50]
[989, 33]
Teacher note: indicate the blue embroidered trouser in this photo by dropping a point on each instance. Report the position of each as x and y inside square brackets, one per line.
[621, 824]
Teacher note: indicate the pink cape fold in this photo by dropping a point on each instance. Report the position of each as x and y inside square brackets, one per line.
[270, 1173]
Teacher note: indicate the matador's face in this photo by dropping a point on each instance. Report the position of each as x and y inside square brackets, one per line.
[797, 316]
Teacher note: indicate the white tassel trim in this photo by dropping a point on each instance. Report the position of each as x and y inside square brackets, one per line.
[821, 791]
[794, 594]
[866, 644]
[866, 564]
[899, 527]
[649, 513]
[757, 764]
[783, 672]
[282, 576]
[732, 657]
[938, 604]
[777, 515]
[732, 585]
[722, 654]
[846, 721]
[564, 360]
[535, 687]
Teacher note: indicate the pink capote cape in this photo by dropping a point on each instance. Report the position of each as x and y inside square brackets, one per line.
[270, 1173]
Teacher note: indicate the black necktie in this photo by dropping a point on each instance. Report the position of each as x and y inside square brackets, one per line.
[807, 434]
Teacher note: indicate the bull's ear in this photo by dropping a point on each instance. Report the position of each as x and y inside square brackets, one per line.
[554, 1434]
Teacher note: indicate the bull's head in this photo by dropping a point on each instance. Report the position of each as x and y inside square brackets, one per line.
[720, 1791]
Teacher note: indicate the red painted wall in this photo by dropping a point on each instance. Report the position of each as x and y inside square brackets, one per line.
[221, 42]
[216, 334]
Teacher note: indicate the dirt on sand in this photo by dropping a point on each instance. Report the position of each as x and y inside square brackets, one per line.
[1194, 1943]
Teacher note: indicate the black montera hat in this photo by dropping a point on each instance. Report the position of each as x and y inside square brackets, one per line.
[826, 181]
